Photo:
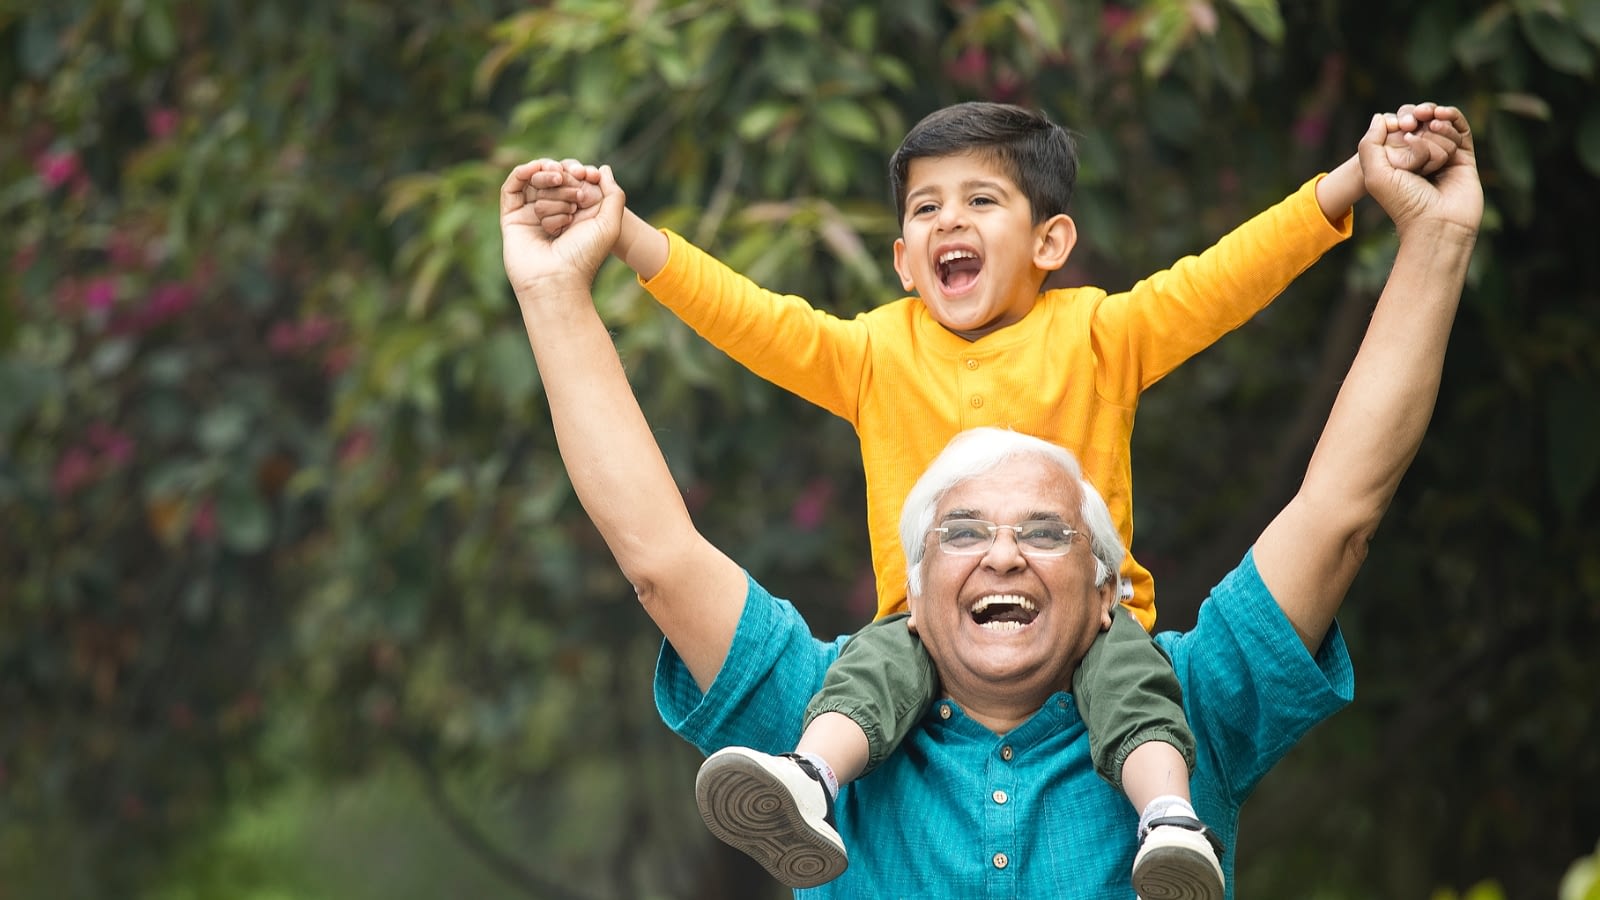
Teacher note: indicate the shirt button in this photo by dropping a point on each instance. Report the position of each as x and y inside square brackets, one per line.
[1000, 861]
[1005, 753]
[944, 710]
[1000, 797]
[977, 401]
[972, 364]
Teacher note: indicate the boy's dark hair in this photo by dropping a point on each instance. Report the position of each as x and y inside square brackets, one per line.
[1039, 155]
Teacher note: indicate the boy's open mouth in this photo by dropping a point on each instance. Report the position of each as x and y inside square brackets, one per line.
[958, 269]
[1004, 612]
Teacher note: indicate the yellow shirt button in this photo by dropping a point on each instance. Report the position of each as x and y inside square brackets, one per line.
[972, 364]
[977, 401]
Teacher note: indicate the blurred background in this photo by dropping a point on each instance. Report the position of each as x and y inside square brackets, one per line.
[295, 599]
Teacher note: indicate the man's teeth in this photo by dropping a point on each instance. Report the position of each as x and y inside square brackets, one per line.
[953, 255]
[1003, 600]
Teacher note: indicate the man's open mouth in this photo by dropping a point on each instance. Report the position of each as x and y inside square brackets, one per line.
[958, 269]
[1004, 612]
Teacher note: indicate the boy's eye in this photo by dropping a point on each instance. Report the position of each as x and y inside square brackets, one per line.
[924, 208]
[982, 201]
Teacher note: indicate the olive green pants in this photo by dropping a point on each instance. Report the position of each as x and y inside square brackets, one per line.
[1125, 689]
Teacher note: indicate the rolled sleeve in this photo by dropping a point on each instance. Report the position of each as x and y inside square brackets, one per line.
[1251, 690]
[759, 696]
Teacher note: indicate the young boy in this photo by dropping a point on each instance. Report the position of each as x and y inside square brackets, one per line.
[982, 190]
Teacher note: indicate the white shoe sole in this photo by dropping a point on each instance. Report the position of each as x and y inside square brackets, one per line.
[1177, 865]
[750, 808]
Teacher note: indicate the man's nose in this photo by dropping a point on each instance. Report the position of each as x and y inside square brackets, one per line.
[1005, 554]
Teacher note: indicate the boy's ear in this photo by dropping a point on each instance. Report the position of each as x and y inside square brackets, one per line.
[1054, 239]
[901, 267]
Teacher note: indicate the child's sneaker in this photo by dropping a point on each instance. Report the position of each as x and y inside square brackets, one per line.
[775, 810]
[1177, 860]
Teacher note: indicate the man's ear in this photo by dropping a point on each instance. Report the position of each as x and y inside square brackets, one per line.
[911, 618]
[1108, 601]
[1054, 239]
[901, 267]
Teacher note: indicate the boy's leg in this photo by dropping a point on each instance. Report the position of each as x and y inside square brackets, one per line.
[1140, 741]
[882, 682]
[779, 809]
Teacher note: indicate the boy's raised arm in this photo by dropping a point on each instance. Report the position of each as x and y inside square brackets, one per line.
[694, 593]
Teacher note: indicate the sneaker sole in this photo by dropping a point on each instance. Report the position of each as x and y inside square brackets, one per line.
[748, 808]
[1177, 872]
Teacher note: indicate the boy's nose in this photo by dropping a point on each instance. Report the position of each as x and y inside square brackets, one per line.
[951, 217]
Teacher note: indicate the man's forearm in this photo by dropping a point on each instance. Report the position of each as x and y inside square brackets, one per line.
[694, 593]
[1383, 407]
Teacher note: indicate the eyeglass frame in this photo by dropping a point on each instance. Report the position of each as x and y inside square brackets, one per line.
[992, 529]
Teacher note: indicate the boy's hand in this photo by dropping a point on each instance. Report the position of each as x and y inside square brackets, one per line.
[1422, 137]
[537, 260]
[564, 193]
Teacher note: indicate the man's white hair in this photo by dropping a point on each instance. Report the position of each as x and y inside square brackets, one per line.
[979, 451]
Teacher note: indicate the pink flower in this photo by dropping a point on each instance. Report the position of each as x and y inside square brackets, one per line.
[100, 294]
[165, 302]
[204, 524]
[1113, 18]
[970, 66]
[125, 253]
[355, 447]
[58, 168]
[338, 359]
[1311, 129]
[283, 338]
[115, 446]
[161, 122]
[812, 505]
[74, 469]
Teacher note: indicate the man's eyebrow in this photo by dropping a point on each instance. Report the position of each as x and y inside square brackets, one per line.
[1034, 515]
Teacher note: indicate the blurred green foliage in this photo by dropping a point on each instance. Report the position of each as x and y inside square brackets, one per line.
[279, 503]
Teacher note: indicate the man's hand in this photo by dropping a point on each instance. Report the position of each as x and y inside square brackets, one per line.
[1423, 136]
[536, 257]
[1453, 196]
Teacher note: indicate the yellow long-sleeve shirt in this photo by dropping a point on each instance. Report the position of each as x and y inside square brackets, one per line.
[1071, 371]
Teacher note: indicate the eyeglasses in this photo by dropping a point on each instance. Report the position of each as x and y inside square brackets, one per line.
[1035, 537]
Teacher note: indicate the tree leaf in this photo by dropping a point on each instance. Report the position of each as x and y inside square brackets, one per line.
[1488, 37]
[1428, 54]
[1263, 16]
[1557, 44]
[1588, 139]
[1573, 426]
[245, 521]
[848, 119]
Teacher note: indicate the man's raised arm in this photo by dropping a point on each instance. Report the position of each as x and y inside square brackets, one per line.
[1311, 551]
[693, 591]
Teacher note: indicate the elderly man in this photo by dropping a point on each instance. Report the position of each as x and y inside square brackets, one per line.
[994, 793]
